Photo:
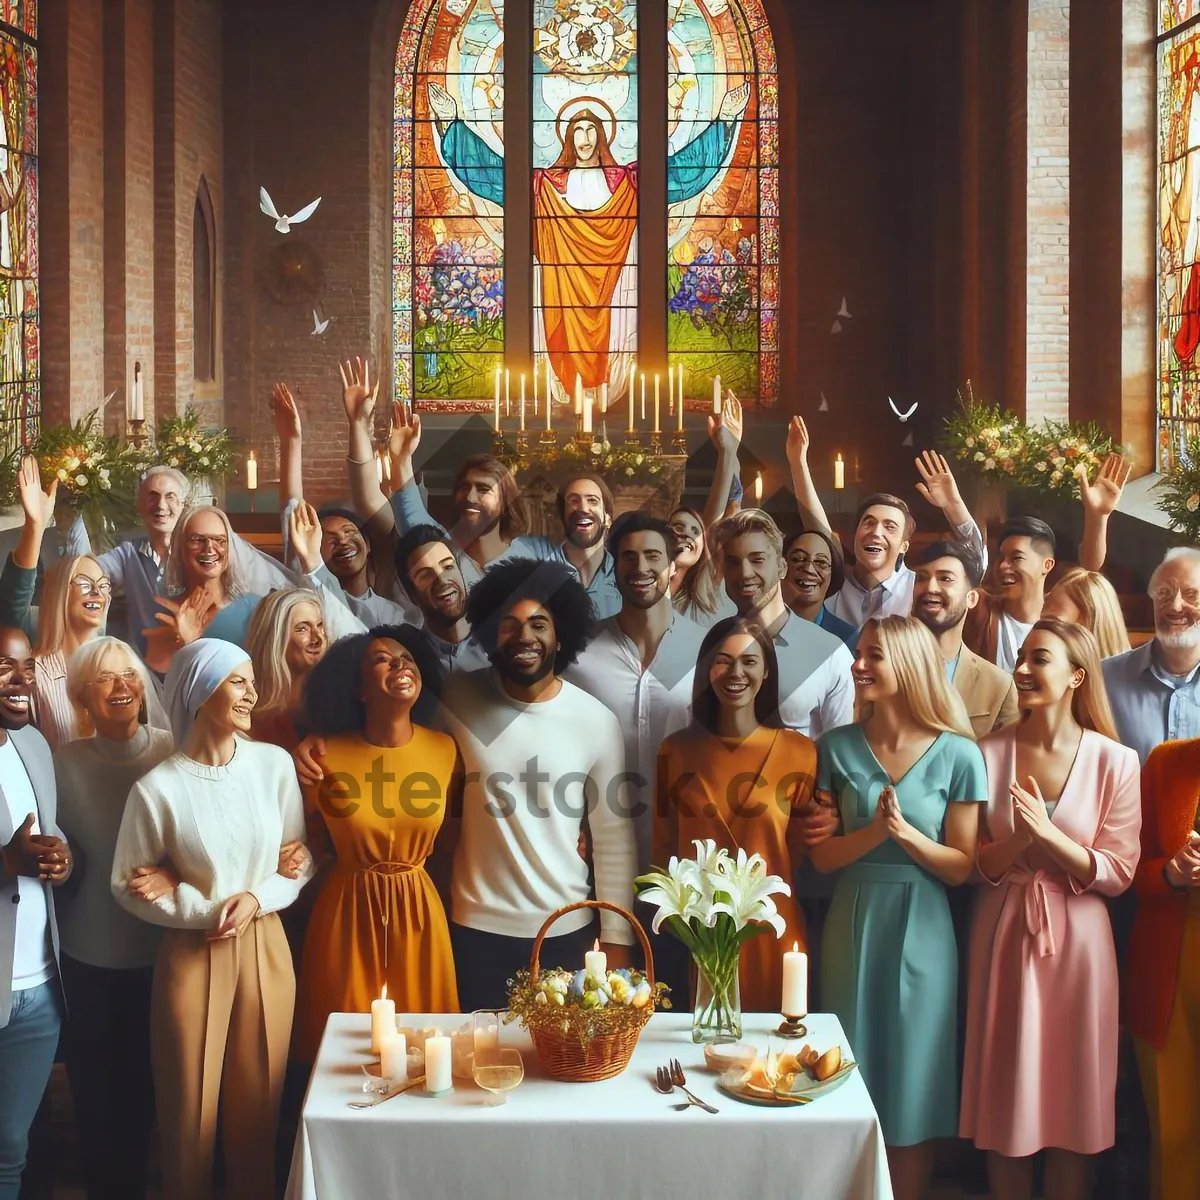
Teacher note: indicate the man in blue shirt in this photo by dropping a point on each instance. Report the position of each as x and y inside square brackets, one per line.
[1153, 689]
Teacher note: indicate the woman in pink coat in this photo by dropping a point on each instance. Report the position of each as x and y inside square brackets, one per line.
[1063, 824]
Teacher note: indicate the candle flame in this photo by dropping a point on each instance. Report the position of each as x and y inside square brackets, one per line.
[383, 994]
[596, 944]
[795, 947]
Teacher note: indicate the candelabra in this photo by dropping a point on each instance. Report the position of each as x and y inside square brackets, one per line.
[137, 433]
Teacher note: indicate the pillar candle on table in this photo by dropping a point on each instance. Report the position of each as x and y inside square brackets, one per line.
[717, 394]
[439, 1074]
[393, 1057]
[839, 474]
[656, 402]
[251, 473]
[595, 962]
[795, 983]
[383, 1020]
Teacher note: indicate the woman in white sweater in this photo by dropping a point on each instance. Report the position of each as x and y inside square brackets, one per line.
[215, 817]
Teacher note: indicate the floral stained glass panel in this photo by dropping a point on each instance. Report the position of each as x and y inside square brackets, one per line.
[448, 203]
[722, 221]
[20, 365]
[1173, 13]
[1178, 401]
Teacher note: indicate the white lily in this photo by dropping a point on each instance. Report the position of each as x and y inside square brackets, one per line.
[749, 889]
[673, 892]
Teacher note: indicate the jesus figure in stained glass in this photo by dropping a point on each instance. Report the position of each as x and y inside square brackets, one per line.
[585, 216]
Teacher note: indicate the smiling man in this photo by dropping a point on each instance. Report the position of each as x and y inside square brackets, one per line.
[541, 756]
[33, 861]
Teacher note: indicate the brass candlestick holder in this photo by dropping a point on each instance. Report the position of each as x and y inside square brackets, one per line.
[137, 433]
[656, 443]
[792, 1027]
[548, 439]
[585, 441]
[522, 443]
[632, 437]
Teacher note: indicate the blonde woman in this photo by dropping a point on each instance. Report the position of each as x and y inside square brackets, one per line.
[693, 579]
[107, 955]
[286, 639]
[1086, 598]
[75, 599]
[908, 781]
[1062, 833]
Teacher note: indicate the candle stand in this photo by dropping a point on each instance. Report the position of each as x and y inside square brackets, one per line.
[792, 1027]
[679, 442]
[137, 433]
[633, 438]
[548, 439]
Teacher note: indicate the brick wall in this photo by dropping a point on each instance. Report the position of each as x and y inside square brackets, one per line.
[1048, 212]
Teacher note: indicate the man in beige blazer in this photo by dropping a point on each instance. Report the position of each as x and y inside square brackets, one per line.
[945, 590]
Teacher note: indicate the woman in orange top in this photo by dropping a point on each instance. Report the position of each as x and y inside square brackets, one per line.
[737, 776]
[380, 807]
[1162, 968]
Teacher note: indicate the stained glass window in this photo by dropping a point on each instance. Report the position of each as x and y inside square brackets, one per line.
[1178, 399]
[1173, 13]
[19, 348]
[448, 220]
[723, 194]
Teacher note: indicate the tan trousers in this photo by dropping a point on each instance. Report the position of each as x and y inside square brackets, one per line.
[220, 1022]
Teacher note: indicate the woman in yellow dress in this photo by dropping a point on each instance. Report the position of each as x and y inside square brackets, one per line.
[379, 809]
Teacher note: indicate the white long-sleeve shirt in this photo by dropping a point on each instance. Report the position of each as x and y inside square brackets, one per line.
[220, 827]
[528, 769]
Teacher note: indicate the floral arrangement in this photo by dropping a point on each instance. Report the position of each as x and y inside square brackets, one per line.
[1179, 492]
[715, 903]
[712, 288]
[620, 465]
[997, 446]
[182, 443]
[591, 1005]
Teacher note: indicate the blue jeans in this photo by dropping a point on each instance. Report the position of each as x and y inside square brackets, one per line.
[27, 1045]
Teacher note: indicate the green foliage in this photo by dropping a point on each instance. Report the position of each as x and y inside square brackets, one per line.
[182, 443]
[1179, 493]
[619, 465]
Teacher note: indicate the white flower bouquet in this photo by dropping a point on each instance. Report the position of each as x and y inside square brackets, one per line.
[714, 904]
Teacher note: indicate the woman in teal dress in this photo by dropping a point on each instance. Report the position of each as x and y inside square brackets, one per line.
[908, 781]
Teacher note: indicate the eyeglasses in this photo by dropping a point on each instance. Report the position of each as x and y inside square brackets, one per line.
[1165, 593]
[804, 560]
[108, 678]
[198, 541]
[91, 587]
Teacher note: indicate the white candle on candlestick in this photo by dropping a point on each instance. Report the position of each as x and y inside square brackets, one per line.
[839, 474]
[497, 400]
[137, 404]
[251, 473]
[523, 402]
[631, 402]
[393, 1057]
[535, 387]
[656, 395]
[587, 413]
[507, 382]
[717, 394]
[758, 488]
[383, 1020]
[439, 1063]
[595, 962]
[795, 982]
[579, 395]
[549, 386]
[604, 397]
[643, 417]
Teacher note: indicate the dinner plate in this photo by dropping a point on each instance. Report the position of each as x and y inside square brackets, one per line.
[804, 1088]
[806, 1085]
[750, 1095]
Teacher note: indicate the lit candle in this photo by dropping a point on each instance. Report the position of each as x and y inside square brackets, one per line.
[385, 460]
[137, 404]
[439, 1064]
[595, 962]
[549, 386]
[643, 417]
[795, 982]
[716, 394]
[393, 1057]
[839, 474]
[523, 402]
[631, 402]
[679, 414]
[587, 413]
[549, 405]
[758, 487]
[579, 395]
[507, 410]
[604, 397]
[656, 385]
[251, 473]
[497, 400]
[383, 1020]
[535, 390]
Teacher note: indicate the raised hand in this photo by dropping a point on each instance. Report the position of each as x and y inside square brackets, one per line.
[1102, 497]
[798, 443]
[285, 413]
[304, 530]
[151, 882]
[735, 103]
[187, 618]
[358, 396]
[725, 428]
[405, 434]
[937, 484]
[442, 103]
[38, 505]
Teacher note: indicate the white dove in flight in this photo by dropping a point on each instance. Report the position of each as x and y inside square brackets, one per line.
[284, 224]
[905, 415]
[319, 326]
[824, 406]
[843, 311]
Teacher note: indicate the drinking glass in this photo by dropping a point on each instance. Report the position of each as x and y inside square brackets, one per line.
[499, 1073]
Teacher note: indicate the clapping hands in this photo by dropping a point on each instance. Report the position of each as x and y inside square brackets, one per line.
[1030, 816]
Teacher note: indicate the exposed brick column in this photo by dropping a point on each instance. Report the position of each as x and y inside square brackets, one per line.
[71, 138]
[1048, 210]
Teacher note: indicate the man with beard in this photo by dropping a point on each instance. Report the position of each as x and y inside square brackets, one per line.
[540, 756]
[34, 860]
[1154, 689]
[944, 592]
[815, 691]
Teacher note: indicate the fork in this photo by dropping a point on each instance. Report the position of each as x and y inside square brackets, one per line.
[678, 1078]
[404, 1087]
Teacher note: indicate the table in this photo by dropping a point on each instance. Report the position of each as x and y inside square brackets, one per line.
[615, 1140]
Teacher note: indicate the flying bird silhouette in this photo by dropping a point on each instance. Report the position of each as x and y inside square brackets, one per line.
[844, 311]
[824, 405]
[905, 415]
[285, 223]
[837, 327]
[319, 326]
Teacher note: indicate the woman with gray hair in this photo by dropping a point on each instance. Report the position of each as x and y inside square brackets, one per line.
[218, 811]
[107, 956]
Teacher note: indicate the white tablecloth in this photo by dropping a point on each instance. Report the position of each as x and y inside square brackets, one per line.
[616, 1140]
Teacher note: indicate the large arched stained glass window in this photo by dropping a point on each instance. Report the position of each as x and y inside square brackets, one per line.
[448, 228]
[723, 195]
[717, 224]
[19, 350]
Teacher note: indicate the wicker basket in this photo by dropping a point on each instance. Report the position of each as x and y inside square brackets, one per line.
[559, 1035]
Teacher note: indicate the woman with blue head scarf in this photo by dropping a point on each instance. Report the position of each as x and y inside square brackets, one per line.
[212, 840]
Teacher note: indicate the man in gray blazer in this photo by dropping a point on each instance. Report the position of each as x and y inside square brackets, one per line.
[33, 861]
